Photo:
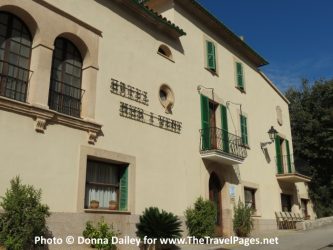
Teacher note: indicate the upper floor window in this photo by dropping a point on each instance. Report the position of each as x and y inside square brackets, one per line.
[65, 89]
[15, 52]
[165, 51]
[211, 56]
[240, 76]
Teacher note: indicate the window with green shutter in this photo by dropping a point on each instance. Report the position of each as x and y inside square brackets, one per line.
[224, 124]
[244, 134]
[211, 56]
[106, 183]
[239, 75]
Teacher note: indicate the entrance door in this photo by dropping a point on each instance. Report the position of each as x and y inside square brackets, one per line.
[286, 202]
[215, 196]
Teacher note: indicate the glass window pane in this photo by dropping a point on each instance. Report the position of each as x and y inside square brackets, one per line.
[3, 30]
[3, 18]
[17, 24]
[15, 47]
[26, 40]
[13, 59]
[25, 51]
[24, 63]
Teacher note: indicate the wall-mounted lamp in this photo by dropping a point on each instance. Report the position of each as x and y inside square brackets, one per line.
[272, 132]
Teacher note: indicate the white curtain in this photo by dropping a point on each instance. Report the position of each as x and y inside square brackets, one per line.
[99, 173]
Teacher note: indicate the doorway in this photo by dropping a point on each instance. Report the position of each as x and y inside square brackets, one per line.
[215, 188]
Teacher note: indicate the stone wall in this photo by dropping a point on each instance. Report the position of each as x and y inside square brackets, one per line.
[311, 224]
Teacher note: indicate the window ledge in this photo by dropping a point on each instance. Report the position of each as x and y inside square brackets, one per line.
[43, 116]
[165, 57]
[242, 90]
[212, 71]
[106, 211]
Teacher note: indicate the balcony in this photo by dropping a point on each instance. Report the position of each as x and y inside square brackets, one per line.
[286, 170]
[220, 146]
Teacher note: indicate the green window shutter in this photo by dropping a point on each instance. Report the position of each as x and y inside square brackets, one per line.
[288, 156]
[239, 75]
[123, 190]
[224, 123]
[211, 58]
[278, 155]
[205, 122]
[243, 123]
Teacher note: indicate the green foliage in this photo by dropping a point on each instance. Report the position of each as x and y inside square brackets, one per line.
[243, 223]
[311, 115]
[158, 225]
[99, 232]
[201, 219]
[24, 216]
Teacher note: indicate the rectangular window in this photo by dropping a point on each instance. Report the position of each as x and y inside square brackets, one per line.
[211, 56]
[239, 76]
[106, 182]
[250, 200]
[244, 134]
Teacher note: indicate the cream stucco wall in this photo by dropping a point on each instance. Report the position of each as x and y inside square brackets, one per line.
[169, 172]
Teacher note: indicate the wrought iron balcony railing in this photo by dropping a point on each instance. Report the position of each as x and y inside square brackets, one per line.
[285, 164]
[65, 98]
[216, 139]
[14, 81]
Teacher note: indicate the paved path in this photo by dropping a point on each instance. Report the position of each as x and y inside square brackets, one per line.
[316, 239]
[320, 238]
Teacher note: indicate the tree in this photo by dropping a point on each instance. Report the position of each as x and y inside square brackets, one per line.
[311, 115]
[24, 216]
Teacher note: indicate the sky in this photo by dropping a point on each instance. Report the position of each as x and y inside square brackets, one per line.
[294, 36]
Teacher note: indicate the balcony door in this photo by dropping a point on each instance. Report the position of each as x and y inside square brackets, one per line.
[212, 124]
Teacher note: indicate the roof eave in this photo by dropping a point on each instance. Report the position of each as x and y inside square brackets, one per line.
[223, 31]
[153, 18]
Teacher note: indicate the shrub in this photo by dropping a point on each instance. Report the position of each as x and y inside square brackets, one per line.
[158, 225]
[243, 223]
[24, 216]
[201, 219]
[98, 233]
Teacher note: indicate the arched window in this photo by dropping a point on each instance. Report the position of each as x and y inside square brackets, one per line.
[65, 88]
[165, 51]
[15, 52]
